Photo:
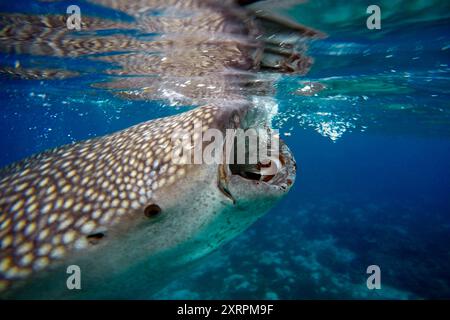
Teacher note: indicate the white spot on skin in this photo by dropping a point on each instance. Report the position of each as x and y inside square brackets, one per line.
[96, 214]
[161, 182]
[87, 208]
[106, 217]
[44, 249]
[57, 253]
[88, 227]
[41, 263]
[17, 205]
[6, 241]
[52, 218]
[135, 205]
[5, 263]
[69, 236]
[68, 203]
[26, 259]
[30, 228]
[24, 248]
[19, 226]
[81, 244]
[46, 209]
[115, 203]
[125, 204]
[22, 186]
[67, 222]
[31, 208]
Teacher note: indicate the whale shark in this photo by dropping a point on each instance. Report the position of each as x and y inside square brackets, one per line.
[118, 207]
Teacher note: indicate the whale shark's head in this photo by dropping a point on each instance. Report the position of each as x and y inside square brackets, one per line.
[215, 201]
[126, 204]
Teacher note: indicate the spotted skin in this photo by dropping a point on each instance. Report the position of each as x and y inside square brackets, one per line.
[54, 205]
[85, 203]
[50, 203]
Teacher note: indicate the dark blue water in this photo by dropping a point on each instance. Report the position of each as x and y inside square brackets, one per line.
[373, 150]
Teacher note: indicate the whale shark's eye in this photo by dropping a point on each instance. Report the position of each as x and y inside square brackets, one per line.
[95, 237]
[152, 210]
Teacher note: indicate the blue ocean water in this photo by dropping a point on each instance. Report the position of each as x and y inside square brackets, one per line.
[373, 150]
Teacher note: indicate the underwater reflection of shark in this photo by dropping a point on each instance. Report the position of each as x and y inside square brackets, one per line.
[117, 206]
[165, 50]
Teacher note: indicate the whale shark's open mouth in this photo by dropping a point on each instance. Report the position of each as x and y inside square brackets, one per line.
[277, 171]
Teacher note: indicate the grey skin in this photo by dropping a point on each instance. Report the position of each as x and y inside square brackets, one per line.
[129, 249]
